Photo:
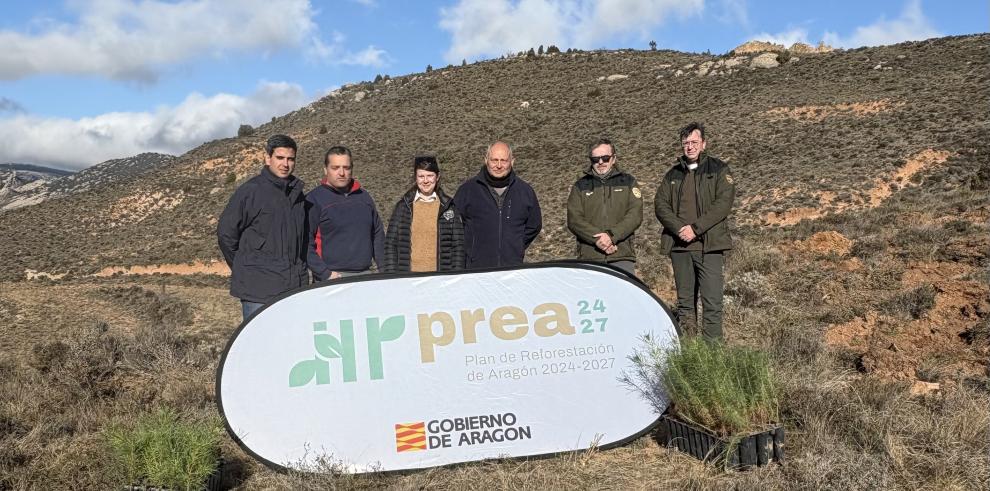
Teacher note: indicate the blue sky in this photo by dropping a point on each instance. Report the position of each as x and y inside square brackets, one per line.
[84, 81]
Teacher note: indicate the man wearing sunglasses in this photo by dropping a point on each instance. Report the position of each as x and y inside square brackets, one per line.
[693, 203]
[604, 209]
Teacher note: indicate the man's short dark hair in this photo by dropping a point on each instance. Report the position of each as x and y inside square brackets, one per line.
[687, 130]
[279, 141]
[337, 150]
[602, 141]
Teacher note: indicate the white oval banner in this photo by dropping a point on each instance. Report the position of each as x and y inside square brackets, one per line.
[385, 373]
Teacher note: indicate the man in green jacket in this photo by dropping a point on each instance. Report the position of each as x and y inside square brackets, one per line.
[693, 203]
[604, 210]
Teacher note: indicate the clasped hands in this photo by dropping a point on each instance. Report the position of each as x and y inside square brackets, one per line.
[686, 233]
[604, 242]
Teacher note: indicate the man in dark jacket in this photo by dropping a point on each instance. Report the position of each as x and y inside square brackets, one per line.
[262, 231]
[346, 230]
[604, 210]
[500, 211]
[693, 203]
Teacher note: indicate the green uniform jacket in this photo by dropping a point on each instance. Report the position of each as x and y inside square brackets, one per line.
[614, 206]
[715, 191]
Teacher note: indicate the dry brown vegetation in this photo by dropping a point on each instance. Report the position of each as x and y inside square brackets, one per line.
[871, 297]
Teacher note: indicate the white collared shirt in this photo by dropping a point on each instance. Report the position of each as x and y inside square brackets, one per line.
[425, 198]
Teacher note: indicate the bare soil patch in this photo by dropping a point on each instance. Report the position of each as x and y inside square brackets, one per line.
[883, 187]
[242, 163]
[196, 267]
[825, 243]
[139, 206]
[935, 341]
[918, 162]
[816, 114]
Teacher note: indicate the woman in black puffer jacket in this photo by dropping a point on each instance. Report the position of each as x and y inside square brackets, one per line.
[425, 232]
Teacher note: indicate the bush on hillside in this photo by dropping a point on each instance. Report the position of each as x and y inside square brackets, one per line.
[244, 130]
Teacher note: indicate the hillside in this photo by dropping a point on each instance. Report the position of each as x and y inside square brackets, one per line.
[826, 129]
[19, 182]
[862, 227]
[28, 185]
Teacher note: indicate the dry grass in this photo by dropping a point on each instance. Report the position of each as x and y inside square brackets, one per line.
[845, 429]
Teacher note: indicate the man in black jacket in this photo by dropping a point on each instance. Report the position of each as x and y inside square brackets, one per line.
[501, 214]
[693, 202]
[262, 231]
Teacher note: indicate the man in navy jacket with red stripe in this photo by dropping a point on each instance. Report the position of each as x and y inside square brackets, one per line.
[347, 230]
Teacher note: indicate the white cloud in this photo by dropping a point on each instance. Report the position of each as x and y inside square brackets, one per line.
[734, 12]
[495, 27]
[135, 39]
[77, 144]
[786, 38]
[912, 25]
[336, 53]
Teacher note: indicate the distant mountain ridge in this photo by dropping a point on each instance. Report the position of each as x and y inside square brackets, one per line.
[40, 169]
[24, 185]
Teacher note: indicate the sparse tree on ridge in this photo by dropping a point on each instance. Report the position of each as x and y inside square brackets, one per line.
[653, 45]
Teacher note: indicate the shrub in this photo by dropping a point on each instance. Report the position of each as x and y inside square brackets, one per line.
[163, 449]
[244, 130]
[914, 303]
[728, 390]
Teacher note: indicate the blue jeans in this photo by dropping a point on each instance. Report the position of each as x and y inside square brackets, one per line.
[248, 308]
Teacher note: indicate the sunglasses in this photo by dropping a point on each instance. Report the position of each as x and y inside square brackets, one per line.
[602, 158]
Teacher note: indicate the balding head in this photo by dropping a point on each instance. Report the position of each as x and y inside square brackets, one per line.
[498, 159]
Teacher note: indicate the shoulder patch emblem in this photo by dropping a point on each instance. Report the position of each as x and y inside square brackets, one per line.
[728, 178]
[637, 193]
[448, 215]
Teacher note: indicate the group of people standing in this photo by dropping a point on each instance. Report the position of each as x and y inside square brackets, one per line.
[273, 236]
